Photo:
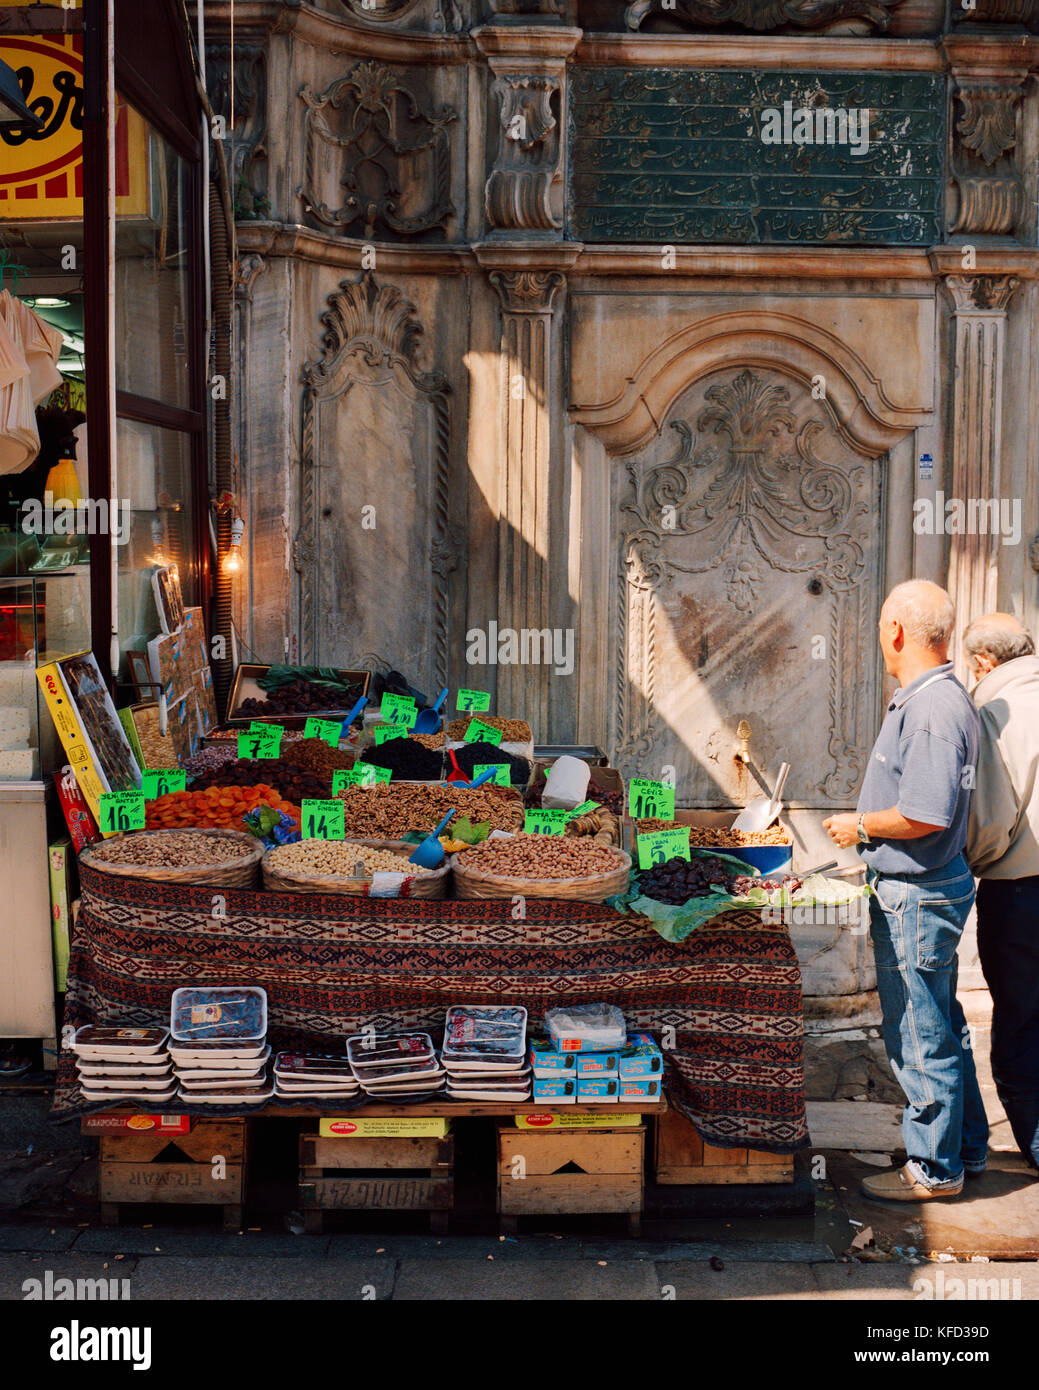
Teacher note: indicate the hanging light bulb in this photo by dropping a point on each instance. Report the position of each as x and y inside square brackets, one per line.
[232, 561]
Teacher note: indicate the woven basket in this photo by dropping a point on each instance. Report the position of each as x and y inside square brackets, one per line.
[471, 883]
[287, 880]
[235, 873]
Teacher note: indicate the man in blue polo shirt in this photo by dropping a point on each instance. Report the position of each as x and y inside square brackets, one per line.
[911, 829]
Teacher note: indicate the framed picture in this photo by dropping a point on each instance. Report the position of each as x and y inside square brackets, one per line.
[141, 674]
[168, 600]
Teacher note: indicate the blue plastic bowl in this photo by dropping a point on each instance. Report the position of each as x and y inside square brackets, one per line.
[768, 859]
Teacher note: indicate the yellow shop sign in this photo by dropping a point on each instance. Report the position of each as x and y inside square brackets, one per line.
[41, 172]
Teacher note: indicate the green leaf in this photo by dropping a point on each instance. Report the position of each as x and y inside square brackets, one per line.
[413, 837]
[468, 833]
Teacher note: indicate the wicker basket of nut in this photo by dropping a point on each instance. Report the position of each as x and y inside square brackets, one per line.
[223, 858]
[347, 866]
[541, 866]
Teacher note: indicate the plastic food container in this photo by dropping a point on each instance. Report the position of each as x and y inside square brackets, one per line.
[122, 1083]
[227, 1097]
[231, 1083]
[402, 1071]
[489, 1094]
[110, 1097]
[236, 1013]
[94, 1043]
[217, 1054]
[225, 1067]
[313, 1066]
[158, 1065]
[389, 1049]
[205, 1075]
[485, 1034]
[586, 1028]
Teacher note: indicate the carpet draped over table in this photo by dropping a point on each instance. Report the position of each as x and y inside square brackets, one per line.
[725, 1004]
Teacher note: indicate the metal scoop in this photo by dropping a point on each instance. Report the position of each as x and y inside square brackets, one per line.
[763, 810]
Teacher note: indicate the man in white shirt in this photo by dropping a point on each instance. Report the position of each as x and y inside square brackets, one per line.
[1003, 850]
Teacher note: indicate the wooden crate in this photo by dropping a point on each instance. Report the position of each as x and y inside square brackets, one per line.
[156, 1167]
[375, 1175]
[570, 1171]
[682, 1157]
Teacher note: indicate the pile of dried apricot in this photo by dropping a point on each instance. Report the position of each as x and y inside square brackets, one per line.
[219, 808]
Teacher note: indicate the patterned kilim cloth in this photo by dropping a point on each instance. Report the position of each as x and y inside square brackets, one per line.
[726, 1004]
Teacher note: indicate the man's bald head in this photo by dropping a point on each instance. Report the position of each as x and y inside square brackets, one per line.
[924, 610]
[999, 637]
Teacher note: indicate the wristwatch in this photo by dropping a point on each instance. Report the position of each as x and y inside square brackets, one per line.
[860, 830]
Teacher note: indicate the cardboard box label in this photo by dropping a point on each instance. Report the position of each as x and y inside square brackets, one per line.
[385, 1127]
[545, 1119]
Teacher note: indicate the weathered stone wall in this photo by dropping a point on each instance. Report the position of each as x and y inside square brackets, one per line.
[422, 331]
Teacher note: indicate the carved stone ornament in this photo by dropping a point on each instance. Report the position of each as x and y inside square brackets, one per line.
[524, 191]
[240, 95]
[527, 291]
[383, 147]
[441, 16]
[981, 293]
[761, 15]
[989, 187]
[372, 335]
[747, 503]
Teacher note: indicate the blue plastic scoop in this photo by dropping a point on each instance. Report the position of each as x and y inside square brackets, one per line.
[430, 853]
[428, 721]
[344, 732]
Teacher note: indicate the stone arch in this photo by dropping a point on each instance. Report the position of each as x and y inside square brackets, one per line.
[866, 417]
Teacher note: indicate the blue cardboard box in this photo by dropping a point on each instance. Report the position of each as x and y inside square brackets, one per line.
[639, 1088]
[601, 1064]
[597, 1090]
[561, 1091]
[642, 1057]
[547, 1062]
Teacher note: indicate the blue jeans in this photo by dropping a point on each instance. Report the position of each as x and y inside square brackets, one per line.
[916, 921]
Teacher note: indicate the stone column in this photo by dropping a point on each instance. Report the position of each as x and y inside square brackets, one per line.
[526, 261]
[980, 304]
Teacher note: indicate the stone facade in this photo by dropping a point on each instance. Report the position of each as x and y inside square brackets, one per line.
[535, 327]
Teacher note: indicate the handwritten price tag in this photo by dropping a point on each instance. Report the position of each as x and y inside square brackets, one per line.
[479, 732]
[262, 741]
[323, 820]
[650, 800]
[163, 780]
[473, 701]
[548, 822]
[122, 811]
[385, 732]
[327, 729]
[363, 775]
[501, 776]
[398, 709]
[661, 846]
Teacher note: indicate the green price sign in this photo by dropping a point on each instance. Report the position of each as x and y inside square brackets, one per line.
[479, 732]
[583, 809]
[367, 774]
[261, 741]
[323, 820]
[663, 845]
[385, 732]
[163, 780]
[650, 800]
[549, 822]
[327, 729]
[122, 811]
[398, 709]
[501, 776]
[473, 701]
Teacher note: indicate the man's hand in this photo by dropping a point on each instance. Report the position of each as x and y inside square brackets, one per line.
[843, 829]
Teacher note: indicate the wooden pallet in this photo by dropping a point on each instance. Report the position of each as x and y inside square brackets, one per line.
[375, 1175]
[682, 1158]
[570, 1171]
[205, 1167]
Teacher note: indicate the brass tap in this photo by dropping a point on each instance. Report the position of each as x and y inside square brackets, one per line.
[743, 734]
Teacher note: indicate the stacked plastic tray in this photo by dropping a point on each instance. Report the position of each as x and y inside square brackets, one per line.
[218, 1042]
[395, 1066]
[117, 1064]
[314, 1076]
[485, 1053]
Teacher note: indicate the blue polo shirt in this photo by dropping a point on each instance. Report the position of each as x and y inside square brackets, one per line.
[929, 736]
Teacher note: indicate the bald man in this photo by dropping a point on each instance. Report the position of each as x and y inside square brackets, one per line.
[1003, 850]
[911, 829]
